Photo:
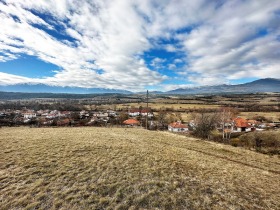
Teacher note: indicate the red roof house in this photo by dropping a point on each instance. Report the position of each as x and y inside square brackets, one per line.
[131, 122]
[177, 127]
[241, 124]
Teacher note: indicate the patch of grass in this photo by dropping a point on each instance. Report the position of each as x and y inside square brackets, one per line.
[117, 168]
[273, 116]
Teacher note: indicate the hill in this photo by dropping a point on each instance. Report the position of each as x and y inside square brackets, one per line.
[124, 168]
[262, 85]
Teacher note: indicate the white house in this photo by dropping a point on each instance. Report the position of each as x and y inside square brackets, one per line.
[29, 115]
[134, 112]
[177, 127]
[138, 112]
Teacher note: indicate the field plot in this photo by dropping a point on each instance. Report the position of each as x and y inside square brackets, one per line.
[175, 106]
[273, 116]
[123, 168]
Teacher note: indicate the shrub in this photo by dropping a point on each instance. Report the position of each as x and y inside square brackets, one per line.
[260, 118]
[265, 142]
[216, 136]
[235, 142]
[236, 135]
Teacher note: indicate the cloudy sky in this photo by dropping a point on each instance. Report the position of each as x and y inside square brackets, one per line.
[138, 44]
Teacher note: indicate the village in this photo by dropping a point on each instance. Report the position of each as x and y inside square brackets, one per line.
[134, 117]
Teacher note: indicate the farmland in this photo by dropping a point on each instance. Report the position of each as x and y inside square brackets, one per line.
[129, 168]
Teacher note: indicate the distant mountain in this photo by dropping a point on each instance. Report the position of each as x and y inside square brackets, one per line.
[261, 85]
[41, 88]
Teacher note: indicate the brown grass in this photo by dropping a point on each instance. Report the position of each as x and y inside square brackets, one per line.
[118, 168]
[175, 106]
[274, 116]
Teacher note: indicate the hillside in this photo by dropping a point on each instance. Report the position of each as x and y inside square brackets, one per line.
[125, 168]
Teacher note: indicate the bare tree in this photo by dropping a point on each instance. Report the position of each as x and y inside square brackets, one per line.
[226, 116]
[205, 123]
[161, 118]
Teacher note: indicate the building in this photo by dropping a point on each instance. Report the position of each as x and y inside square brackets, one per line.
[131, 122]
[241, 125]
[177, 127]
[29, 115]
[140, 112]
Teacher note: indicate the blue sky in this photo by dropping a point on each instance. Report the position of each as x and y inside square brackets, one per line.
[140, 44]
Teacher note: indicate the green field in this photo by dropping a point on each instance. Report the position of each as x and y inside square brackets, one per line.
[126, 168]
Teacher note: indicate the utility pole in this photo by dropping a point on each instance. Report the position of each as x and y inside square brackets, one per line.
[147, 109]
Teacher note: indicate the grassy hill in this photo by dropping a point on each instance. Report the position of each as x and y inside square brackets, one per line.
[118, 168]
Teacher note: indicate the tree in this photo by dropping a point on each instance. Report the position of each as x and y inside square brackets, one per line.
[226, 116]
[161, 118]
[205, 123]
[122, 117]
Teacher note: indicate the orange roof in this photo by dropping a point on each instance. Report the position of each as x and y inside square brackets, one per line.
[177, 125]
[240, 122]
[131, 122]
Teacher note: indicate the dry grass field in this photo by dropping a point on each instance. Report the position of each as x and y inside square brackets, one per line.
[273, 116]
[126, 168]
[175, 106]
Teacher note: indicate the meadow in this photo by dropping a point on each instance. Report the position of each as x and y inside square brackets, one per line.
[129, 168]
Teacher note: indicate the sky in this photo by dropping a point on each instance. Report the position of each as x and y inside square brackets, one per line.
[138, 44]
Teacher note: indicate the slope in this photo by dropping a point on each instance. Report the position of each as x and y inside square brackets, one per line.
[122, 168]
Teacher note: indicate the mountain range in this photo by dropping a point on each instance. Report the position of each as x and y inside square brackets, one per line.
[261, 85]
[41, 88]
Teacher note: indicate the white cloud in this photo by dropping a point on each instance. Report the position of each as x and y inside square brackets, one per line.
[171, 48]
[158, 63]
[228, 45]
[169, 87]
[177, 60]
[109, 37]
[7, 79]
[221, 40]
[172, 66]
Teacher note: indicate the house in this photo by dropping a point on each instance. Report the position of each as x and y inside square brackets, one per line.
[29, 115]
[146, 112]
[142, 112]
[241, 124]
[112, 113]
[131, 122]
[64, 122]
[51, 116]
[177, 127]
[134, 112]
[253, 123]
[64, 114]
[101, 115]
[84, 114]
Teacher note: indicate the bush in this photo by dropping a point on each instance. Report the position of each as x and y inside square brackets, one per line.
[236, 135]
[260, 118]
[235, 142]
[265, 142]
[216, 136]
